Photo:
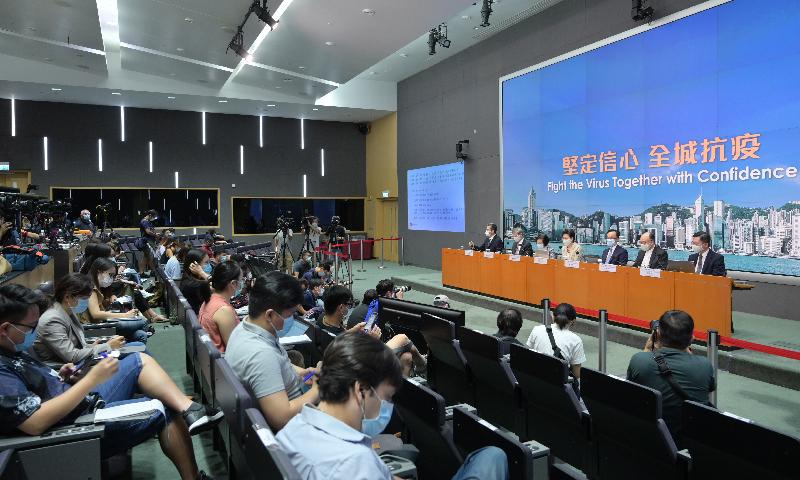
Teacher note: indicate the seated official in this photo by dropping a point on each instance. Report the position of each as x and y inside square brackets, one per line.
[509, 323]
[359, 314]
[60, 336]
[615, 254]
[84, 222]
[260, 361]
[339, 300]
[569, 344]
[570, 250]
[358, 379]
[36, 398]
[217, 317]
[521, 245]
[650, 255]
[692, 374]
[542, 247]
[492, 242]
[196, 274]
[706, 261]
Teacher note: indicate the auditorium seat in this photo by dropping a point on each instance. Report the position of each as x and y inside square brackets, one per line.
[204, 366]
[471, 432]
[448, 372]
[554, 414]
[497, 395]
[423, 412]
[232, 398]
[724, 446]
[263, 455]
[632, 439]
[190, 325]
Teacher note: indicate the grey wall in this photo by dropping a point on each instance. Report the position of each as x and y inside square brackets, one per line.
[458, 99]
[275, 170]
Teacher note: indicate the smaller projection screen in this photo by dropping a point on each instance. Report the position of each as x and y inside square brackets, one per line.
[436, 198]
[252, 216]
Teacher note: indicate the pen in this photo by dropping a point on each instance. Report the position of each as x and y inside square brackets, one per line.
[308, 377]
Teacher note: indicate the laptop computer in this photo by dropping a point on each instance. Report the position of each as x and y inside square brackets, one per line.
[680, 266]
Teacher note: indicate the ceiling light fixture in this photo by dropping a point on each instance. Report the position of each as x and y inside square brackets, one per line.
[262, 12]
[115, 93]
[368, 11]
[486, 12]
[271, 105]
[330, 44]
[315, 109]
[171, 98]
[222, 101]
[438, 35]
[237, 45]
[55, 89]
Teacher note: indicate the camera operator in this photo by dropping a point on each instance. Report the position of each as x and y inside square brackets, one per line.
[312, 232]
[283, 254]
[84, 222]
[9, 235]
[336, 232]
[386, 288]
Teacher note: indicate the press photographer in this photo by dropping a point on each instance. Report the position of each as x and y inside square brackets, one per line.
[336, 232]
[311, 232]
[281, 239]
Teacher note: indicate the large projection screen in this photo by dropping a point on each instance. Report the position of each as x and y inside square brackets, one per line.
[691, 125]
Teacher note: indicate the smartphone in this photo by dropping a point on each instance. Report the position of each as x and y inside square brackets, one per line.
[654, 329]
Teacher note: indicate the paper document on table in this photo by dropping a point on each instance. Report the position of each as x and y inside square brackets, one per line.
[295, 340]
[128, 410]
[243, 310]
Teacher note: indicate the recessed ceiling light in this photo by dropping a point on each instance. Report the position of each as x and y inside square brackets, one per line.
[315, 109]
[476, 28]
[115, 93]
[287, 80]
[179, 49]
[465, 17]
[373, 73]
[271, 105]
[301, 67]
[222, 101]
[330, 44]
[404, 55]
[368, 11]
[55, 89]
[188, 20]
[171, 98]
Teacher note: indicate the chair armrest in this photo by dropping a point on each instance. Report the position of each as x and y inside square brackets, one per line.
[684, 460]
[5, 457]
[97, 326]
[69, 433]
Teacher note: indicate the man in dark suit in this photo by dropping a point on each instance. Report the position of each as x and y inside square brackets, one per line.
[706, 261]
[614, 254]
[492, 242]
[650, 254]
[521, 246]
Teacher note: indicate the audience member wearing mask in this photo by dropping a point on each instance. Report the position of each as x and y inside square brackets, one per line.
[569, 344]
[174, 267]
[301, 266]
[570, 250]
[509, 323]
[60, 336]
[216, 315]
[358, 379]
[260, 361]
[196, 274]
[102, 276]
[338, 305]
[37, 398]
[84, 222]
[359, 314]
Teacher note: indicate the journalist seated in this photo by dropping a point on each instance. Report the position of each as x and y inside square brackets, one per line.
[667, 365]
[260, 361]
[34, 398]
[509, 323]
[60, 335]
[333, 441]
[560, 341]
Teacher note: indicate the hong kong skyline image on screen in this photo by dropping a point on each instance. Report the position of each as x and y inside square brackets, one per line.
[693, 125]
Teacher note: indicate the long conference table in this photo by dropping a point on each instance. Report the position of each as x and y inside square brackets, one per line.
[629, 295]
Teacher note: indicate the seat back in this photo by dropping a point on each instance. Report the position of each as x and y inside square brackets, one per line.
[231, 397]
[189, 326]
[448, 373]
[632, 438]
[725, 446]
[496, 391]
[554, 413]
[264, 457]
[204, 364]
[471, 433]
[422, 412]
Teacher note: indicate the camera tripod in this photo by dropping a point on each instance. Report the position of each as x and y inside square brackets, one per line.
[280, 256]
[308, 246]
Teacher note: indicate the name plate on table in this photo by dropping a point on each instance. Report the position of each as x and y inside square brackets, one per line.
[514, 258]
[608, 267]
[468, 252]
[540, 260]
[572, 263]
[650, 272]
[488, 254]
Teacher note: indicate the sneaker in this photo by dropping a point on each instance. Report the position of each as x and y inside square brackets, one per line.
[200, 418]
[204, 476]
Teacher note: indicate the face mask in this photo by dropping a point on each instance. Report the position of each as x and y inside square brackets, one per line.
[249, 275]
[288, 322]
[223, 258]
[208, 268]
[644, 247]
[86, 217]
[372, 427]
[346, 316]
[610, 242]
[83, 304]
[697, 248]
[238, 290]
[567, 242]
[105, 281]
[517, 240]
[538, 246]
[27, 342]
[487, 233]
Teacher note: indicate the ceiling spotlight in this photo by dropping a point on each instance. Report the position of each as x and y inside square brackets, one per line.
[237, 45]
[641, 11]
[486, 12]
[222, 101]
[55, 89]
[437, 35]
[171, 98]
[115, 93]
[315, 109]
[262, 12]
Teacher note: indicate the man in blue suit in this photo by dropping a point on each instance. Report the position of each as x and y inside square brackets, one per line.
[492, 242]
[706, 261]
[615, 254]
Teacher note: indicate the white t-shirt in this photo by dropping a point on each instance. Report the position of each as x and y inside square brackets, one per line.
[570, 344]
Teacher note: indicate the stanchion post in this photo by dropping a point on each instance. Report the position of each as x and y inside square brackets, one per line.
[402, 253]
[713, 358]
[383, 242]
[362, 255]
[350, 273]
[603, 338]
[545, 311]
[335, 268]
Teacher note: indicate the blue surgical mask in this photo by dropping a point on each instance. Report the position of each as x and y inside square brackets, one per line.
[537, 246]
[27, 343]
[372, 427]
[610, 242]
[208, 268]
[238, 290]
[223, 258]
[288, 323]
[83, 304]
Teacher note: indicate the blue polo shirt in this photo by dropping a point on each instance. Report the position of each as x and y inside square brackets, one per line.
[323, 447]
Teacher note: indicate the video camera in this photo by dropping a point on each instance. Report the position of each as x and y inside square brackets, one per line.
[284, 222]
